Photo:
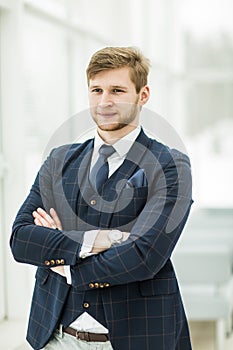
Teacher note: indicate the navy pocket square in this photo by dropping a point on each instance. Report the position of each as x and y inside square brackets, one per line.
[137, 180]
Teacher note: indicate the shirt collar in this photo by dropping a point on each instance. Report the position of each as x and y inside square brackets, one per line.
[122, 146]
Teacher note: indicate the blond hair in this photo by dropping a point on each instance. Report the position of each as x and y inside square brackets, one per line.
[119, 57]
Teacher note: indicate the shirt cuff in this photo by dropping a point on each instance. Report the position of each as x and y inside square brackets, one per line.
[68, 274]
[88, 243]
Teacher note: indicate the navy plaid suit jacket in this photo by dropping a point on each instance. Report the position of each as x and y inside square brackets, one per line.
[131, 288]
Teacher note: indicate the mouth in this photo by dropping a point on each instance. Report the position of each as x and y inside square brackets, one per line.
[107, 115]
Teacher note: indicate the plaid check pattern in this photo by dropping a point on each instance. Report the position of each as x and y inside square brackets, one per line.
[131, 288]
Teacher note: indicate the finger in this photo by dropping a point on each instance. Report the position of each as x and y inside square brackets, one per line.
[125, 236]
[37, 222]
[43, 221]
[46, 217]
[37, 217]
[59, 270]
[34, 214]
[56, 219]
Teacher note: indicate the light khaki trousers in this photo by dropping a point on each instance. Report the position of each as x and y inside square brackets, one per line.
[64, 341]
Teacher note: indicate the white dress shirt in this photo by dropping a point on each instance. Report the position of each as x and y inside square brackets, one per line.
[85, 322]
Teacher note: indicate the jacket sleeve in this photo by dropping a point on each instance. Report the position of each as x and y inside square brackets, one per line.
[153, 236]
[38, 245]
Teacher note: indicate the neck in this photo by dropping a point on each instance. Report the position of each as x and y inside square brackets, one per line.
[112, 136]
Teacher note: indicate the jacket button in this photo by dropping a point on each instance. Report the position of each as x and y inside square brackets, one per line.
[58, 262]
[101, 285]
[93, 202]
[106, 284]
[52, 262]
[96, 285]
[91, 285]
[86, 305]
[47, 263]
[62, 261]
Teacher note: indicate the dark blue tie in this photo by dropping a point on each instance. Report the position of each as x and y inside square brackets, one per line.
[99, 172]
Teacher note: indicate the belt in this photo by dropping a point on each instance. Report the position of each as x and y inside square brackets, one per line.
[98, 337]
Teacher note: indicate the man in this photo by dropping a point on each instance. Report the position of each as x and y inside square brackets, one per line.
[101, 222]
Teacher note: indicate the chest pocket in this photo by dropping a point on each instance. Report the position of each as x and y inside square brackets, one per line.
[133, 199]
[129, 205]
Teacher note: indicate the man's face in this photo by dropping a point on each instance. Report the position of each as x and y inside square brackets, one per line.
[113, 99]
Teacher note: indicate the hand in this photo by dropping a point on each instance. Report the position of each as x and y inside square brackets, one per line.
[59, 269]
[41, 218]
[125, 236]
[103, 242]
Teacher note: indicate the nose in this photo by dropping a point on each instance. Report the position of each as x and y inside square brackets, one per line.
[105, 100]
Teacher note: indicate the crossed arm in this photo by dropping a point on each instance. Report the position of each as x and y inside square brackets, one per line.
[101, 243]
[152, 238]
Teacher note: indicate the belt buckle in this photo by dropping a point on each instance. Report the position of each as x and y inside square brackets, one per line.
[82, 336]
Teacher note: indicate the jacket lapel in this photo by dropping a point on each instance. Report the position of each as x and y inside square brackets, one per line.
[133, 158]
[126, 170]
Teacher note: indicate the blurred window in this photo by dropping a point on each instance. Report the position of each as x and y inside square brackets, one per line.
[46, 85]
[209, 116]
[55, 55]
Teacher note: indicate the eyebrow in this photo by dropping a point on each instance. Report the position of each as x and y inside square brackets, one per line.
[111, 86]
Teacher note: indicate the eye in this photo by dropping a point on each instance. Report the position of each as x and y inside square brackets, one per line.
[96, 90]
[115, 91]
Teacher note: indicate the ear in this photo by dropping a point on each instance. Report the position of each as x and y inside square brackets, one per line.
[144, 95]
